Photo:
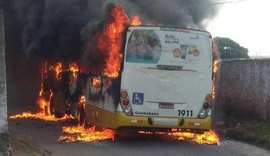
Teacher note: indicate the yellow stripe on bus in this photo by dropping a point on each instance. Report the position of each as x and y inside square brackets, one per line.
[114, 120]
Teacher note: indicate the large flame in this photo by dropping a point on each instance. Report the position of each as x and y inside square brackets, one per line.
[40, 116]
[79, 133]
[43, 99]
[209, 137]
[110, 41]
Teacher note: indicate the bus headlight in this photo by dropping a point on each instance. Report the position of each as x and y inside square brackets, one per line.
[128, 109]
[203, 113]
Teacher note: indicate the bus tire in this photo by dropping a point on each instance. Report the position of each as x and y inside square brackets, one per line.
[58, 105]
[81, 115]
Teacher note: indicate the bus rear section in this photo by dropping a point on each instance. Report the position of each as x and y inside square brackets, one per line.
[166, 79]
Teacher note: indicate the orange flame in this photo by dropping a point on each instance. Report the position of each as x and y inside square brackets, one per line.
[213, 90]
[215, 70]
[82, 100]
[85, 134]
[96, 83]
[135, 20]
[58, 69]
[42, 103]
[40, 116]
[74, 69]
[209, 137]
[215, 66]
[44, 100]
[110, 41]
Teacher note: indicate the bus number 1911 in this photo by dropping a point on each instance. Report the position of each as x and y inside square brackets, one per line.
[185, 113]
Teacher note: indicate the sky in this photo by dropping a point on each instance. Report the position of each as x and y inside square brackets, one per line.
[247, 22]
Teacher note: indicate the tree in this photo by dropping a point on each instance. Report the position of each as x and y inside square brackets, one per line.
[229, 49]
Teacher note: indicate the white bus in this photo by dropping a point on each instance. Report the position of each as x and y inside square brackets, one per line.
[165, 82]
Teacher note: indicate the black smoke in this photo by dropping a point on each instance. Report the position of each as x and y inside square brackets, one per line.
[183, 13]
[57, 29]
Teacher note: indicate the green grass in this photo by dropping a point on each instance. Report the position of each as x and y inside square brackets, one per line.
[250, 131]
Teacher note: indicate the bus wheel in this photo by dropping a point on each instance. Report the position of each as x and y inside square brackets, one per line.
[81, 115]
[58, 105]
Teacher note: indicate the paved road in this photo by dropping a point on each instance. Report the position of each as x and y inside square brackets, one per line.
[44, 135]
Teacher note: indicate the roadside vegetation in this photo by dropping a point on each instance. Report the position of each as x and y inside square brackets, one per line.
[246, 130]
[230, 49]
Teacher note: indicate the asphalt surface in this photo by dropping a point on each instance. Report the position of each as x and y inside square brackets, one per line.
[43, 137]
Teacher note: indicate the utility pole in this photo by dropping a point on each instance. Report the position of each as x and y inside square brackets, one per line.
[4, 138]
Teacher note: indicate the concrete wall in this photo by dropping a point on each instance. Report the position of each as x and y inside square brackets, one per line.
[3, 95]
[244, 88]
[4, 137]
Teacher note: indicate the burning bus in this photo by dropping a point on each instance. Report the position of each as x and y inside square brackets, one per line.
[164, 80]
[103, 67]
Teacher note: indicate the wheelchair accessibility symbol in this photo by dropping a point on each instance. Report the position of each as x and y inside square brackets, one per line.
[138, 98]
